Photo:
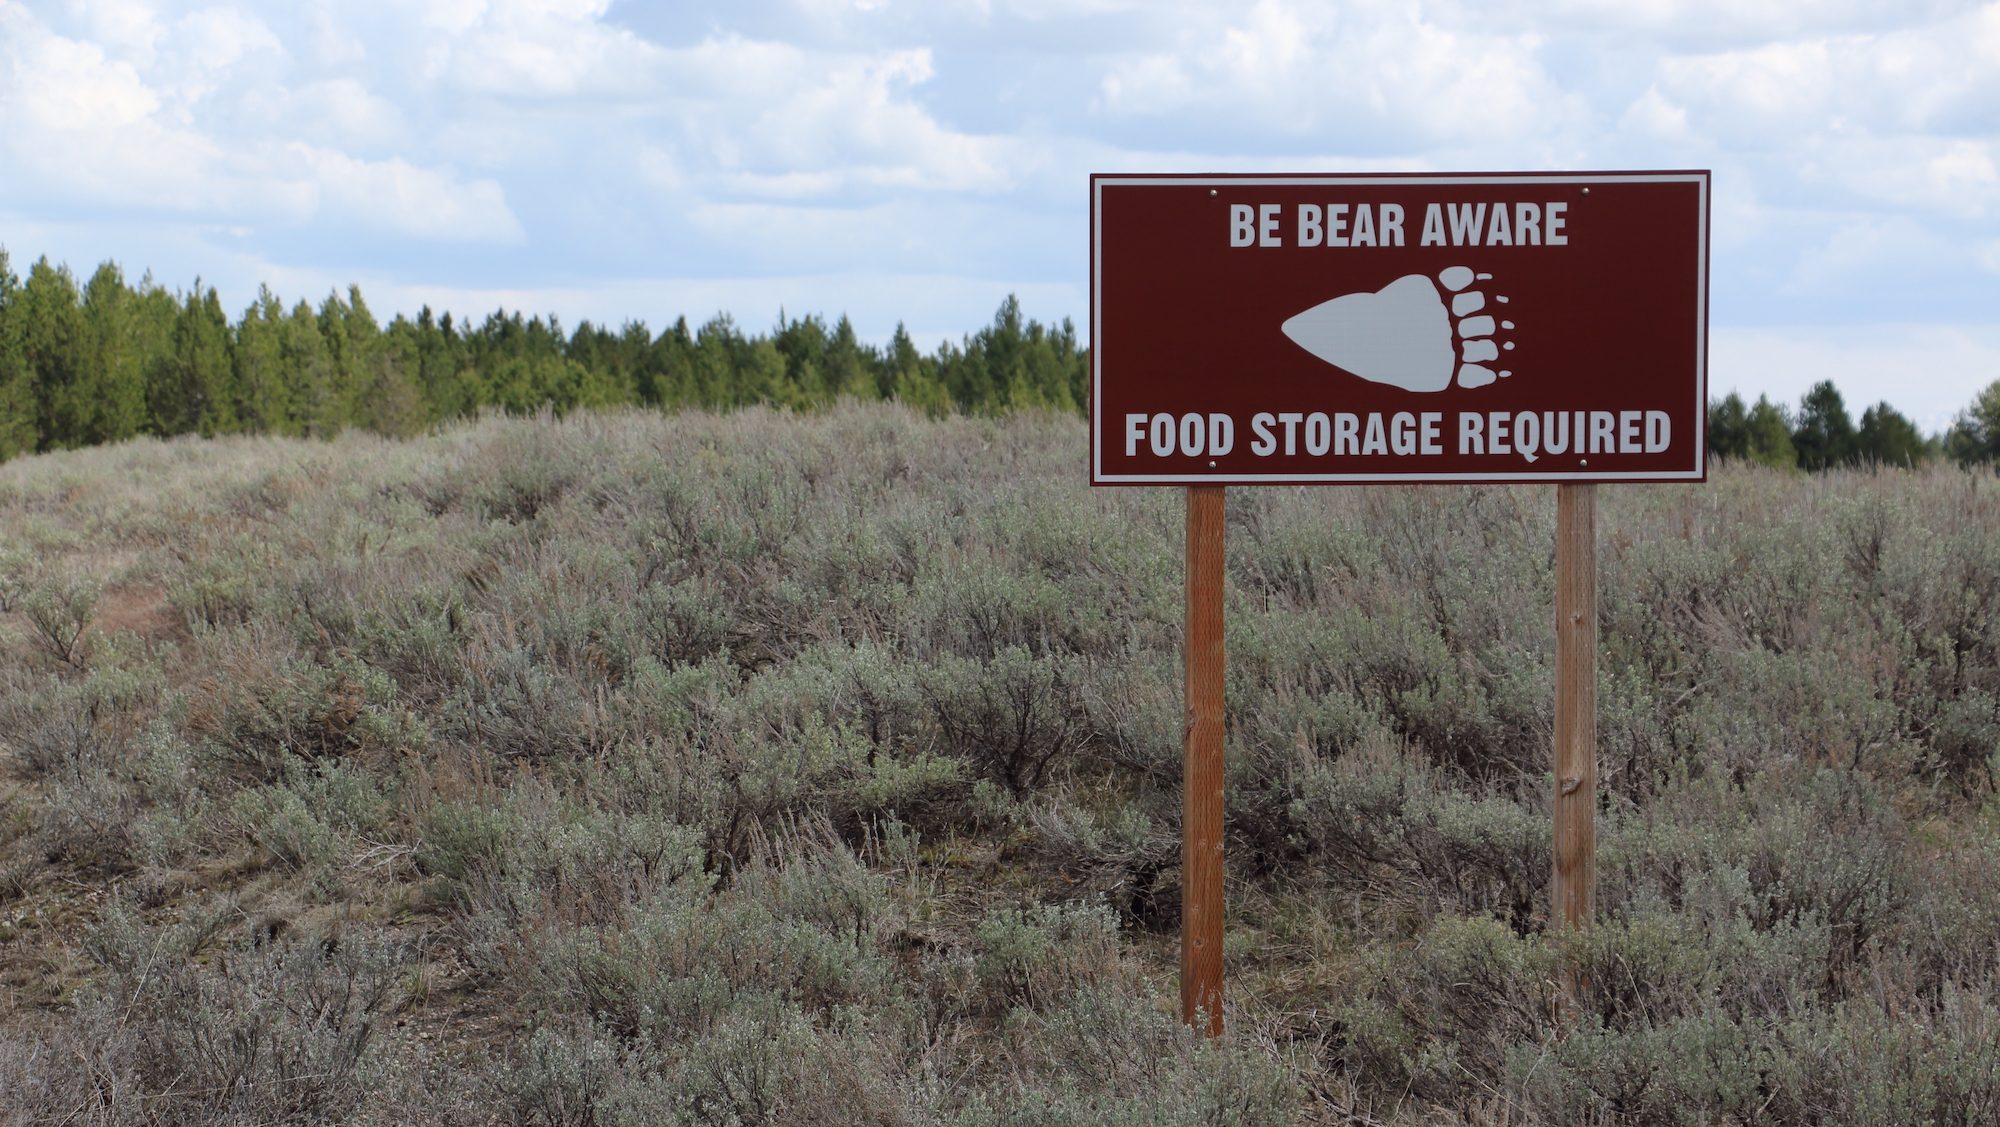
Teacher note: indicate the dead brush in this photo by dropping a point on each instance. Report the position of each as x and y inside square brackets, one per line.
[60, 611]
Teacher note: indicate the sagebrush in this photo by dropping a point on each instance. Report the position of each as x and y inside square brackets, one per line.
[763, 768]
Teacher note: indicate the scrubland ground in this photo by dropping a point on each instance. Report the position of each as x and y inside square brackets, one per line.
[824, 770]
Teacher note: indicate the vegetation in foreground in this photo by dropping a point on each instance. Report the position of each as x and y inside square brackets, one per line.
[756, 768]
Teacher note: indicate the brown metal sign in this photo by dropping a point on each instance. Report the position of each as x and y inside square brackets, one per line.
[1487, 327]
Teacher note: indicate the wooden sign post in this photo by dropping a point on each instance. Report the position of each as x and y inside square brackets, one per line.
[1201, 765]
[1575, 886]
[1469, 328]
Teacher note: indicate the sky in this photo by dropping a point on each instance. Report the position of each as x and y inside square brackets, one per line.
[918, 161]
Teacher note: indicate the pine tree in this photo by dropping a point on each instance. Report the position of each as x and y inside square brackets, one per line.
[615, 374]
[316, 404]
[901, 356]
[395, 401]
[263, 392]
[1045, 369]
[112, 382]
[609, 362]
[1771, 436]
[1887, 438]
[17, 385]
[913, 378]
[803, 346]
[51, 339]
[1824, 436]
[1728, 428]
[847, 364]
[666, 373]
[501, 339]
[199, 391]
[1974, 438]
[761, 376]
[353, 344]
[714, 382]
[982, 377]
[155, 314]
[1075, 362]
[445, 376]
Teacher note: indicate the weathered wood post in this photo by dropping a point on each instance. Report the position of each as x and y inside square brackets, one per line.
[1201, 767]
[1575, 885]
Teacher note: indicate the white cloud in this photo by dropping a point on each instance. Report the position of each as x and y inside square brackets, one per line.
[859, 114]
[1924, 77]
[1896, 120]
[537, 49]
[397, 196]
[62, 84]
[1685, 23]
[1657, 117]
[205, 46]
[335, 111]
[1944, 175]
[766, 119]
[127, 27]
[1773, 91]
[327, 42]
[1303, 69]
[838, 9]
[89, 129]
[1856, 249]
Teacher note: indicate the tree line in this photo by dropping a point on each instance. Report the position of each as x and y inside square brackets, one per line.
[107, 360]
[1822, 435]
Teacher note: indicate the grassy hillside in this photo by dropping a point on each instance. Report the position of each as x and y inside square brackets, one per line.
[630, 769]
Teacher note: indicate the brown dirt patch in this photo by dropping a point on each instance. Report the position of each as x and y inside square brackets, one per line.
[138, 608]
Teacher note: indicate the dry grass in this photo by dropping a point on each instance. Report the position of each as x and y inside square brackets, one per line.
[633, 768]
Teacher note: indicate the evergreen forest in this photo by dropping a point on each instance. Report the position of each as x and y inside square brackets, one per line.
[100, 362]
[106, 360]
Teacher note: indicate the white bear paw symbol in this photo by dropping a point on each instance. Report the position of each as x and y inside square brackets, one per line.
[1406, 335]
